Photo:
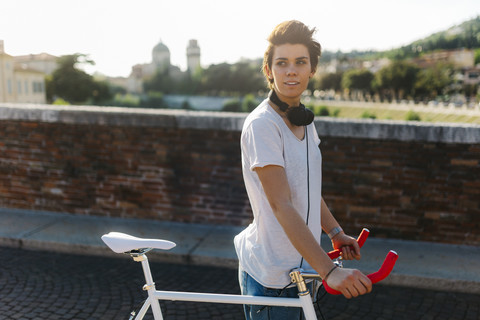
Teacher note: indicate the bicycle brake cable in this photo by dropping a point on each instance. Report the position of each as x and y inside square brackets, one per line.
[135, 310]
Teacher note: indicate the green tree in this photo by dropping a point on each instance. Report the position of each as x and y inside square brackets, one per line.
[321, 111]
[477, 54]
[190, 84]
[397, 79]
[359, 80]
[186, 105]
[432, 82]
[246, 78]
[412, 116]
[161, 81]
[216, 79]
[153, 99]
[330, 81]
[249, 103]
[101, 92]
[232, 105]
[238, 79]
[74, 85]
[60, 102]
[126, 100]
[367, 114]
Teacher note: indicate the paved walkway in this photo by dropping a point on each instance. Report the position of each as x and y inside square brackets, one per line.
[424, 265]
[40, 285]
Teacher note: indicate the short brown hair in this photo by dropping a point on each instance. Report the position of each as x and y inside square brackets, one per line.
[292, 32]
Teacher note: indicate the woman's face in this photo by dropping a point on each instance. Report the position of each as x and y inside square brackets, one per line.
[291, 70]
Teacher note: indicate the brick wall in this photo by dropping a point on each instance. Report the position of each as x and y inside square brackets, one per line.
[403, 180]
[411, 190]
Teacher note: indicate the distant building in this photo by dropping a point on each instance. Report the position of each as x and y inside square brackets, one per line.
[193, 56]
[161, 63]
[43, 62]
[20, 82]
[135, 80]
[471, 76]
[463, 61]
[160, 58]
[375, 65]
[338, 66]
[462, 58]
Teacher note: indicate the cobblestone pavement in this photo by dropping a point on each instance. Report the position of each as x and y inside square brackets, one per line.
[45, 285]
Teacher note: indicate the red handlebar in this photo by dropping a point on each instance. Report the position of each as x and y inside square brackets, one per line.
[361, 240]
[375, 277]
[382, 273]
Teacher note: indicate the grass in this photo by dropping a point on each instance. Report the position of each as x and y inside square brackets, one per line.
[382, 113]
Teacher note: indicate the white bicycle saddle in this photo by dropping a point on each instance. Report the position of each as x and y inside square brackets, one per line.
[122, 242]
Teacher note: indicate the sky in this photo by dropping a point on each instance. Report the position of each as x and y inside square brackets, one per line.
[117, 34]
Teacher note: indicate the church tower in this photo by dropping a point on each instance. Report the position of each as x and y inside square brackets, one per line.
[193, 56]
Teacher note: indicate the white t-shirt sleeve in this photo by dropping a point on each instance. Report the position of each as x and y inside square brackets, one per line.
[262, 144]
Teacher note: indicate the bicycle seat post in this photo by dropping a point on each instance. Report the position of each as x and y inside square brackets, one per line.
[140, 256]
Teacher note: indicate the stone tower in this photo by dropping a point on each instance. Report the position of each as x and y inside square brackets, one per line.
[193, 56]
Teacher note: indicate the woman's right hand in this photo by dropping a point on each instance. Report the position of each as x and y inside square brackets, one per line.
[350, 282]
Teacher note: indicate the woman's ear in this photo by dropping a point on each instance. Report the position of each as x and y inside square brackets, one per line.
[268, 73]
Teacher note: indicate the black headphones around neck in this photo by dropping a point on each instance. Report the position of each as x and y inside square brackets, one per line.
[298, 116]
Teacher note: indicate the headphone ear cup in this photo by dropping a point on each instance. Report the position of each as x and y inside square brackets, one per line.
[300, 116]
[309, 116]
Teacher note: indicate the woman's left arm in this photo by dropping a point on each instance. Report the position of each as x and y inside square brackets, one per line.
[348, 245]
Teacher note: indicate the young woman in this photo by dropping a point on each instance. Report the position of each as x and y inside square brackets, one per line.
[282, 171]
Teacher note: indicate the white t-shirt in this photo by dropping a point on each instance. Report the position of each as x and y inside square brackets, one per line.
[263, 248]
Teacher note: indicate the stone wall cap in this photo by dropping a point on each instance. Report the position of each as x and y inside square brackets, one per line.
[398, 130]
[229, 121]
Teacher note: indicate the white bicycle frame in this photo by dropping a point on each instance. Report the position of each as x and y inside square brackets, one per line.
[124, 243]
[298, 277]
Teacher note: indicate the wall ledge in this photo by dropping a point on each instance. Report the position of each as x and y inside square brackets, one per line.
[185, 119]
[399, 130]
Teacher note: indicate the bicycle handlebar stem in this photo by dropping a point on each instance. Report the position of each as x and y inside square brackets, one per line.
[297, 277]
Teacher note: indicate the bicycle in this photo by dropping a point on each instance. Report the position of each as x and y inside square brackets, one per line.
[138, 247]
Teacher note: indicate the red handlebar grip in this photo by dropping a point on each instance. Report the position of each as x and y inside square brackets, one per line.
[382, 273]
[361, 240]
[385, 269]
[363, 237]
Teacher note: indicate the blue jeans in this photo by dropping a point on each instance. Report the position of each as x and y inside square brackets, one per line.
[249, 286]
